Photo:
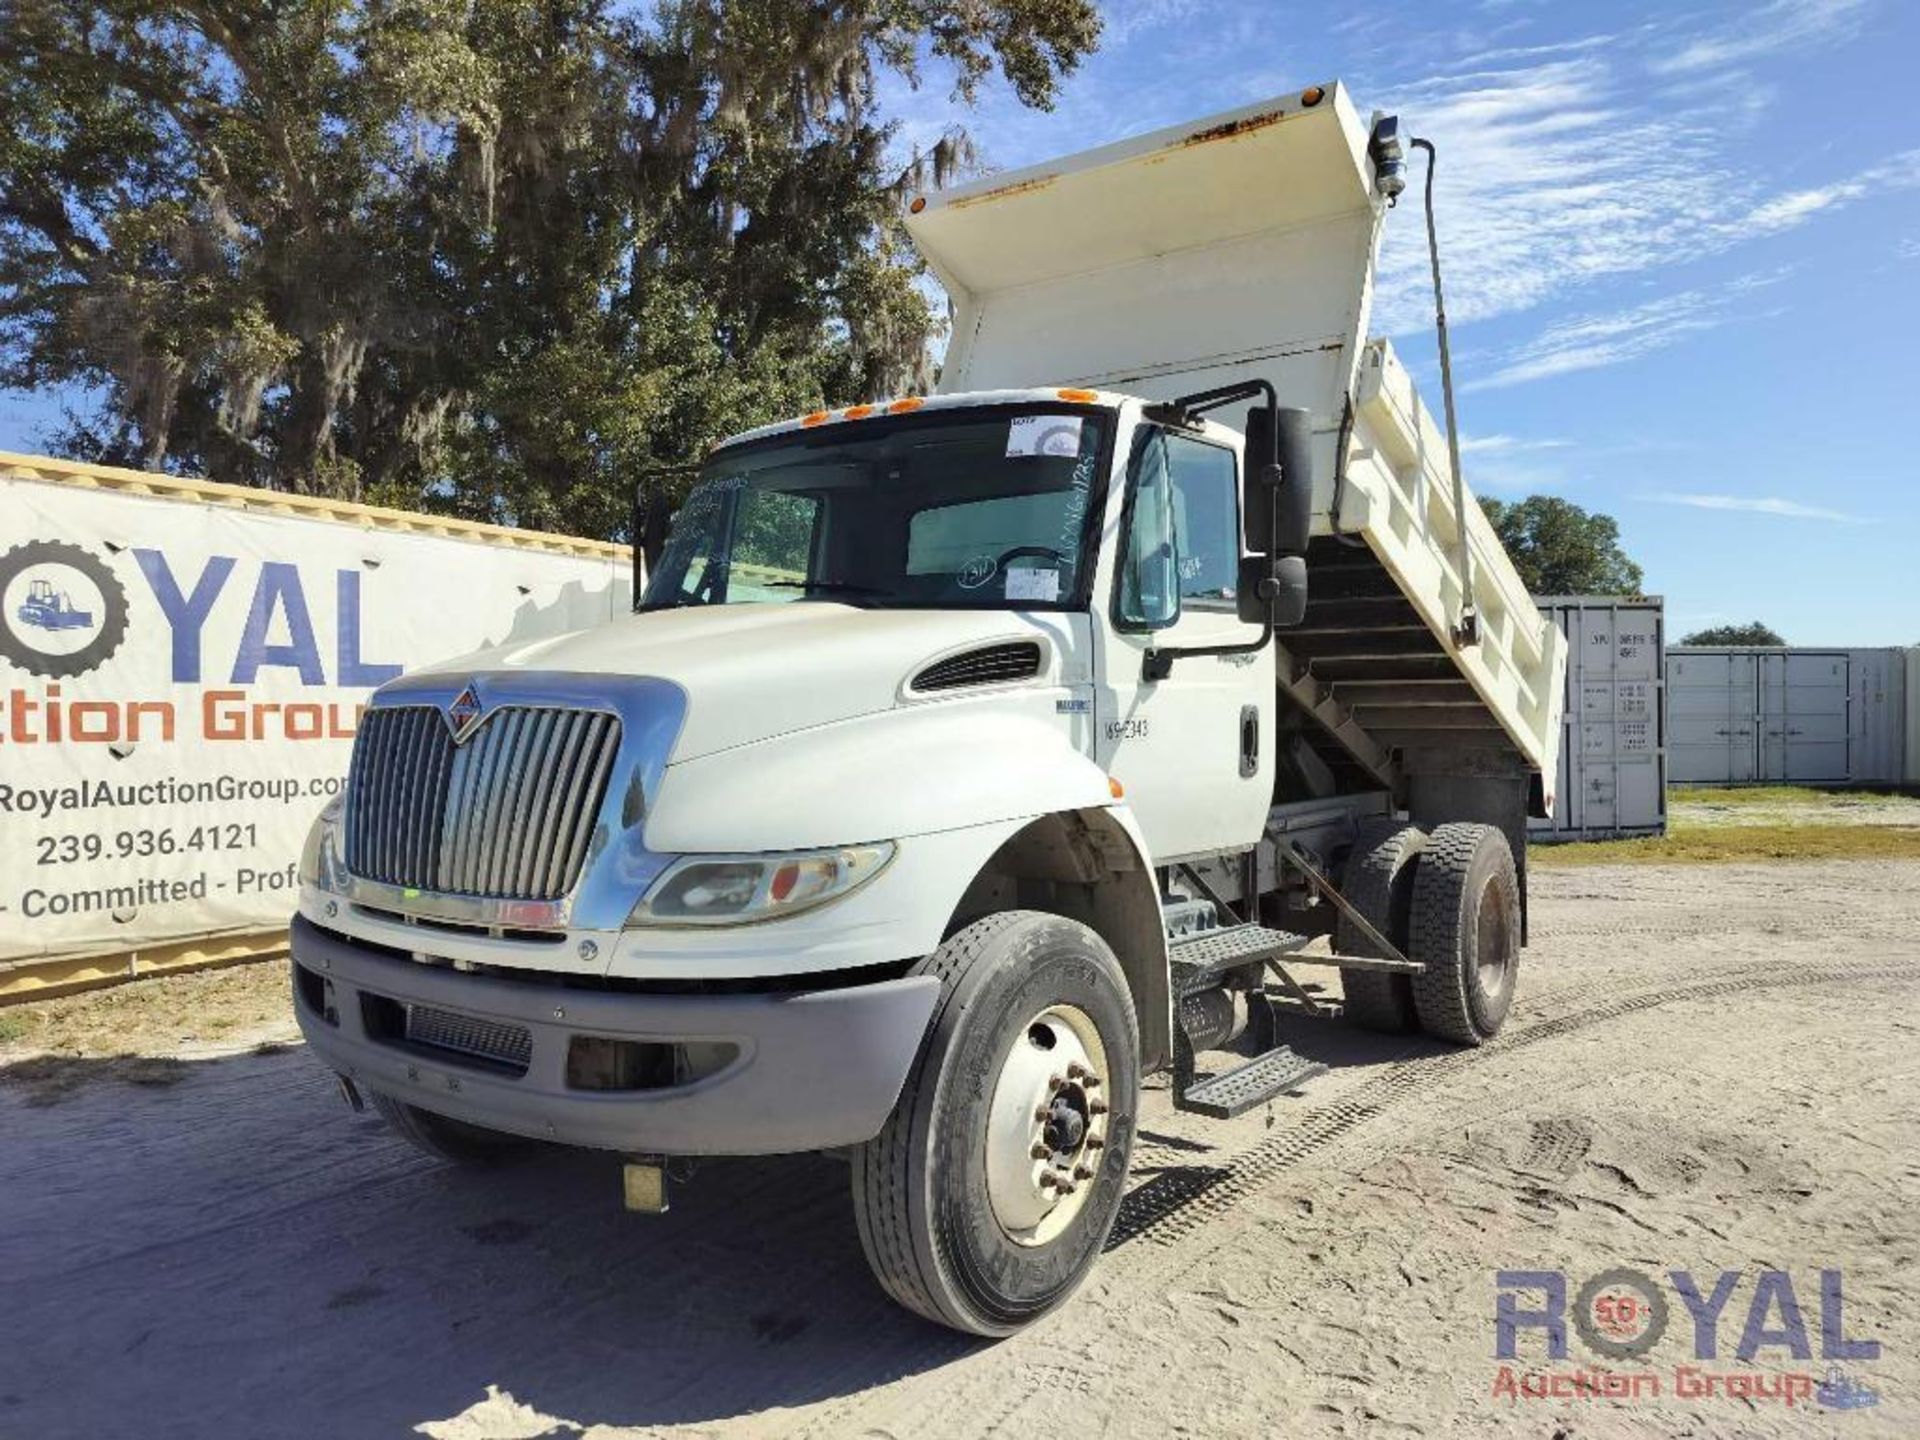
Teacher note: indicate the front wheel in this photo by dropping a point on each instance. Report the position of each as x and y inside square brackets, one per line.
[987, 1196]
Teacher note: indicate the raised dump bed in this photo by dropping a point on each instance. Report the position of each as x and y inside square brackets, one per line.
[1243, 246]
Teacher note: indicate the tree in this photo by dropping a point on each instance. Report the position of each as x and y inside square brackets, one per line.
[1750, 634]
[1561, 549]
[495, 256]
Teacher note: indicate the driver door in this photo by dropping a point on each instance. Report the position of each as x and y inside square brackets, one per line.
[1193, 751]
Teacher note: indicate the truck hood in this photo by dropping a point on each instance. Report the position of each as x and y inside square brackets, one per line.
[751, 672]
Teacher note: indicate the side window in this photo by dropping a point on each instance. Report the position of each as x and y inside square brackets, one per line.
[1206, 501]
[1149, 575]
[1183, 537]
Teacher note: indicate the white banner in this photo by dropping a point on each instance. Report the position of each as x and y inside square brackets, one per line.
[180, 683]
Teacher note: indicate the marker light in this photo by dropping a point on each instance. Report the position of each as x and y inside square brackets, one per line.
[906, 406]
[1079, 397]
[856, 412]
[740, 889]
[1312, 96]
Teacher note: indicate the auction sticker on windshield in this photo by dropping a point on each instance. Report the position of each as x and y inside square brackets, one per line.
[1057, 435]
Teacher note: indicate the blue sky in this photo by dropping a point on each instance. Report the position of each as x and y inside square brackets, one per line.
[1683, 260]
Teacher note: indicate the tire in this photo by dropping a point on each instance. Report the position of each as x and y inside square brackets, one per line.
[932, 1192]
[454, 1141]
[1378, 882]
[1466, 930]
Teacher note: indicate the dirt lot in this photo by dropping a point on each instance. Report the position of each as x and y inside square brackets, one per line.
[1709, 1069]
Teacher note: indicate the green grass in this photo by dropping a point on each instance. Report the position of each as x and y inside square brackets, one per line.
[14, 1025]
[1781, 796]
[1711, 844]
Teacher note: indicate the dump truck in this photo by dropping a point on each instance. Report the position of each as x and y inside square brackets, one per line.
[973, 756]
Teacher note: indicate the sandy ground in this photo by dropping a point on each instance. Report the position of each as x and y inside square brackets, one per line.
[1709, 1069]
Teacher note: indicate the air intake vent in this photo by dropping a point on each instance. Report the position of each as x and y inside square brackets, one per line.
[989, 665]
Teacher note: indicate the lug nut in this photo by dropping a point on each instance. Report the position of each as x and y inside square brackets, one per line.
[1096, 1107]
[1048, 1181]
[1043, 1113]
[1077, 1071]
[1056, 1081]
[1083, 1172]
[1039, 1151]
[1067, 1187]
[1094, 1142]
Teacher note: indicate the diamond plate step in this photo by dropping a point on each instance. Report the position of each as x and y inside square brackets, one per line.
[1200, 960]
[1245, 1086]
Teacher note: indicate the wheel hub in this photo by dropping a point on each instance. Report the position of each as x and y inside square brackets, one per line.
[1046, 1128]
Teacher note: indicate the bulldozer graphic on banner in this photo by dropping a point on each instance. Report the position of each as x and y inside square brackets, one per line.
[50, 609]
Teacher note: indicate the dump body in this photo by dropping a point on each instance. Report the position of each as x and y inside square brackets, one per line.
[1242, 246]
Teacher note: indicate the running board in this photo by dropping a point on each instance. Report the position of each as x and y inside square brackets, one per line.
[1234, 1092]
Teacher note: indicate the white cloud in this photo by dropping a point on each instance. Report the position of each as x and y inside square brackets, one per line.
[1506, 445]
[1591, 342]
[1796, 207]
[1758, 505]
[1782, 25]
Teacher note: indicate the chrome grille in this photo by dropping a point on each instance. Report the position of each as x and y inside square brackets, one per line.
[508, 815]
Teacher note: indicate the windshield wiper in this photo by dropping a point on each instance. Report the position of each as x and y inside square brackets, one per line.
[844, 587]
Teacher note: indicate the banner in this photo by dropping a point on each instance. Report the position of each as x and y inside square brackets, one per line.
[180, 683]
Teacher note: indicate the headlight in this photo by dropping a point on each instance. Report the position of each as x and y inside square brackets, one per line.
[738, 889]
[317, 854]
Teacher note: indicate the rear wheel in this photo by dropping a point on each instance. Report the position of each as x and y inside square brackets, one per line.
[1378, 882]
[1466, 930]
[443, 1138]
[987, 1196]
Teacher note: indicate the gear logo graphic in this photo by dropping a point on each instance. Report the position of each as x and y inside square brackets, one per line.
[63, 611]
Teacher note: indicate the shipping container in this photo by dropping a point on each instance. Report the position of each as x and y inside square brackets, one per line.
[1913, 716]
[1788, 716]
[1613, 759]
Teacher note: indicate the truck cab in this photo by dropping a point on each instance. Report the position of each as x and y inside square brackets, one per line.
[971, 756]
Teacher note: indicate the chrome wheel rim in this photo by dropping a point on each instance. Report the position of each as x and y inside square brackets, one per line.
[1047, 1125]
[1492, 947]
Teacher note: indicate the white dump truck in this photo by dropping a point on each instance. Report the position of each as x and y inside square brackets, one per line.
[971, 757]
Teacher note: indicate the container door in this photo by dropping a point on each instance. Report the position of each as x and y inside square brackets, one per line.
[1803, 717]
[1711, 711]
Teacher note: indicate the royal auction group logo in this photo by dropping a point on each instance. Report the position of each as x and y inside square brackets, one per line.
[62, 610]
[1622, 1314]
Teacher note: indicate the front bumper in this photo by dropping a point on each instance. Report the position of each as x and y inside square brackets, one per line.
[813, 1069]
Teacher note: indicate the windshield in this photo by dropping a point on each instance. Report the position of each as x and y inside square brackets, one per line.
[982, 508]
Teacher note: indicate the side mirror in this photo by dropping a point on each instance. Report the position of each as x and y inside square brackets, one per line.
[1257, 486]
[1276, 587]
[1295, 444]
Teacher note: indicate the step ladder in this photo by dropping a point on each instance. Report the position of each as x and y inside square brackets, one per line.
[1207, 959]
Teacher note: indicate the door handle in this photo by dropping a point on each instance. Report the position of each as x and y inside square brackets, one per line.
[1249, 741]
